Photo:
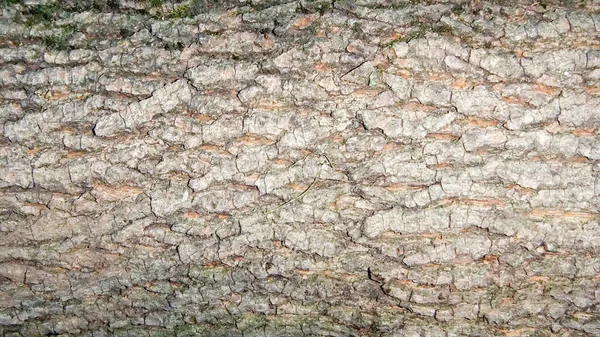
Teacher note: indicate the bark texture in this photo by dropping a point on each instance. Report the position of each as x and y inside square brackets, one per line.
[272, 168]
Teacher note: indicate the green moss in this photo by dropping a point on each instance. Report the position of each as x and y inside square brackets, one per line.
[417, 33]
[59, 39]
[400, 5]
[57, 42]
[324, 7]
[191, 330]
[252, 321]
[156, 3]
[160, 333]
[313, 278]
[6, 3]
[477, 28]
[127, 331]
[42, 13]
[458, 9]
[181, 11]
[310, 7]
[209, 273]
[375, 78]
[442, 28]
[418, 30]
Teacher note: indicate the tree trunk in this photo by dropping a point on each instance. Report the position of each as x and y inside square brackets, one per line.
[319, 168]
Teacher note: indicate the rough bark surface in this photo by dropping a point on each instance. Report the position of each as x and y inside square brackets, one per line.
[263, 168]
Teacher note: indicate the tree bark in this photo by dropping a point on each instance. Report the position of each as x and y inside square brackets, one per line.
[319, 168]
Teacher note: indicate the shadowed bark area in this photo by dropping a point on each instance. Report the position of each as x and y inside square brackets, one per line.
[300, 168]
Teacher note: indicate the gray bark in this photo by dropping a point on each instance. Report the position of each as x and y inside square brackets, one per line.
[263, 168]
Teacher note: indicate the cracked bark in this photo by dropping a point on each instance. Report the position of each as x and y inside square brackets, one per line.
[372, 169]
